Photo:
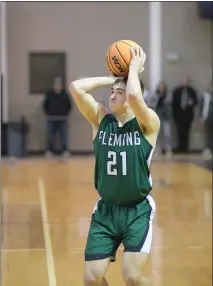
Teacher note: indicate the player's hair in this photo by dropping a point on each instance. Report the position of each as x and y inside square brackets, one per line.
[124, 80]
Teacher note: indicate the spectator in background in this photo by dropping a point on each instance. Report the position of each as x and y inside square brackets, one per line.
[160, 101]
[207, 120]
[57, 107]
[183, 103]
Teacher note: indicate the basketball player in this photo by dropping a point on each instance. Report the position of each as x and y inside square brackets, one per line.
[124, 141]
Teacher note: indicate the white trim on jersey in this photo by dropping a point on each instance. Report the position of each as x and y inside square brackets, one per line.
[148, 241]
[149, 162]
[150, 157]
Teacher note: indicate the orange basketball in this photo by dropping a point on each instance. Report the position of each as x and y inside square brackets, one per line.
[118, 57]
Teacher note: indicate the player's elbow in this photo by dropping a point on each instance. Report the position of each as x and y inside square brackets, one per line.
[73, 88]
[131, 98]
[133, 94]
[135, 99]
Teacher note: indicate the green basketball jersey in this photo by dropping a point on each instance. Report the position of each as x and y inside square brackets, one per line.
[123, 157]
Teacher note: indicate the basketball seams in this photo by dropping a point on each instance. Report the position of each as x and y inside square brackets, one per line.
[116, 72]
[109, 62]
[121, 55]
[109, 65]
[126, 44]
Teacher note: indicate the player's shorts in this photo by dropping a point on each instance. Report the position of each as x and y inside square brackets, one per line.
[112, 225]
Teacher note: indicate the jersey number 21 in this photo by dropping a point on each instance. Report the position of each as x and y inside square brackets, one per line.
[112, 163]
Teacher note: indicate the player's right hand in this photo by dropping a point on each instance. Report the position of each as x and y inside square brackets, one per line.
[138, 60]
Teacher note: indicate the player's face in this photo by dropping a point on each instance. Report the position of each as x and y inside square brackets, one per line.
[117, 97]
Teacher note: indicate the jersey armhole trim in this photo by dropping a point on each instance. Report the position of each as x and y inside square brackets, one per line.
[150, 145]
[102, 120]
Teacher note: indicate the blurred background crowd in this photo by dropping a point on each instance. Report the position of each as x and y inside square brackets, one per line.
[176, 109]
[42, 55]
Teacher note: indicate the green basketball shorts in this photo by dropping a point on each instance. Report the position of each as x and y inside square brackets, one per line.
[112, 225]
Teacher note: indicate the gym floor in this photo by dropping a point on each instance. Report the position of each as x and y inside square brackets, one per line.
[46, 207]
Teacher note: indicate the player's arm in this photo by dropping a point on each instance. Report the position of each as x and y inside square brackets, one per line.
[145, 116]
[87, 105]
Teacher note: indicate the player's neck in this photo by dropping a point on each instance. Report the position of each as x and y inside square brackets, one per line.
[123, 117]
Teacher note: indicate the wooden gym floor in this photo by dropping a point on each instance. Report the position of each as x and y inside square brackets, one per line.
[46, 208]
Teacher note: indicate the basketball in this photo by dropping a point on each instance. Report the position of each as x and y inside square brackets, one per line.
[118, 57]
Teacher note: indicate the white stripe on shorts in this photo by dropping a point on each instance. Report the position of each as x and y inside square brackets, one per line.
[148, 241]
[96, 206]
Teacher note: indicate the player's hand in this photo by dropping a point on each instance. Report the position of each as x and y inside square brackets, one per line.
[138, 60]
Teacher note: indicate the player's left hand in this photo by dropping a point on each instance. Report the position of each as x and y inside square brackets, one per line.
[138, 59]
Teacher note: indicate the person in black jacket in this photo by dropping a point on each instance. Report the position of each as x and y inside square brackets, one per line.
[57, 107]
[183, 102]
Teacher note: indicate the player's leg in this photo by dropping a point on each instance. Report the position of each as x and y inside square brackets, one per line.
[137, 242]
[133, 263]
[102, 244]
[94, 272]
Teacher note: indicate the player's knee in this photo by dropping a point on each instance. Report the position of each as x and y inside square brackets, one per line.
[135, 278]
[92, 276]
[132, 278]
[92, 280]
[132, 268]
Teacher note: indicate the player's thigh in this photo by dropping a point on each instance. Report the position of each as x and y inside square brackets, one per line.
[132, 266]
[138, 234]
